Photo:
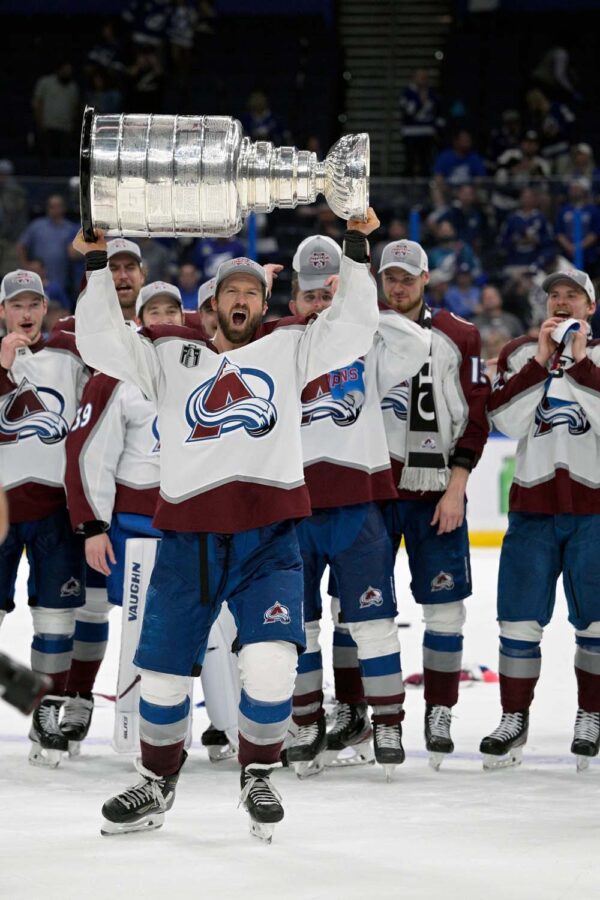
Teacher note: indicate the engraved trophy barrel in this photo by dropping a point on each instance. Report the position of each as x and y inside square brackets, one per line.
[170, 176]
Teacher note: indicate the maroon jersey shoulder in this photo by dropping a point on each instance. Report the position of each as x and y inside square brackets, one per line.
[269, 327]
[462, 333]
[66, 324]
[184, 332]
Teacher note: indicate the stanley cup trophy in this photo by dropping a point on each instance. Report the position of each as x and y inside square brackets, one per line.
[170, 176]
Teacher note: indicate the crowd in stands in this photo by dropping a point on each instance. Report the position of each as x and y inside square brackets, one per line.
[494, 218]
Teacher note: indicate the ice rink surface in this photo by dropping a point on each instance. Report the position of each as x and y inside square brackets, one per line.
[456, 834]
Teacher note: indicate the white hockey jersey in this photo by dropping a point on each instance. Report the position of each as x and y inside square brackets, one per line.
[346, 457]
[231, 455]
[460, 390]
[38, 402]
[557, 423]
[113, 453]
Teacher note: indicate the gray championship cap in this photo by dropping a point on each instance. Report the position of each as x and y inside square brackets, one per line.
[241, 265]
[206, 291]
[315, 260]
[156, 289]
[122, 245]
[573, 276]
[19, 282]
[407, 255]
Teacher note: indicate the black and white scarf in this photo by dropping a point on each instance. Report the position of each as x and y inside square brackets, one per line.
[425, 460]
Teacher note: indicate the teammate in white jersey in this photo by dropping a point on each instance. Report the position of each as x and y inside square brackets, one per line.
[41, 382]
[231, 487]
[348, 473]
[112, 489]
[547, 394]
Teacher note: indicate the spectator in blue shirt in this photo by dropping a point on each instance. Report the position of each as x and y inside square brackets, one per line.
[463, 297]
[49, 238]
[260, 124]
[466, 216]
[188, 282]
[554, 123]
[526, 237]
[460, 162]
[450, 253]
[207, 254]
[579, 204]
[420, 110]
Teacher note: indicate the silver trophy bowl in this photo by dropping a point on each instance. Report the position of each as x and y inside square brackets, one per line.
[170, 176]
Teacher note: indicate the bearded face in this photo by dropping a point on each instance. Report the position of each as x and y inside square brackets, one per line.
[240, 307]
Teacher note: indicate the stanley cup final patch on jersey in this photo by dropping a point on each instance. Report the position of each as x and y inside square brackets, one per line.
[277, 613]
[190, 356]
[443, 581]
[371, 597]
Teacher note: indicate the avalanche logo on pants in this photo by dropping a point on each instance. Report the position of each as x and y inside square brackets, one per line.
[233, 398]
[277, 613]
[371, 597]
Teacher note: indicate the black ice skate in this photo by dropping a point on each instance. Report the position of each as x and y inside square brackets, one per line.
[305, 753]
[389, 752]
[217, 744]
[141, 807]
[586, 739]
[260, 800]
[437, 734]
[76, 719]
[349, 739]
[504, 746]
[48, 743]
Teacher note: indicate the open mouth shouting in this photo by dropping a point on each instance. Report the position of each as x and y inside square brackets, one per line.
[239, 317]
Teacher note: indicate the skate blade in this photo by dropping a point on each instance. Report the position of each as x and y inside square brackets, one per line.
[354, 755]
[74, 749]
[388, 769]
[436, 760]
[262, 831]
[583, 762]
[218, 754]
[44, 757]
[306, 768]
[508, 761]
[156, 820]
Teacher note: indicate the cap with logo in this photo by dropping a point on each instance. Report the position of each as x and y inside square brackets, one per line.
[122, 245]
[573, 276]
[407, 255]
[206, 291]
[315, 260]
[19, 282]
[156, 289]
[241, 265]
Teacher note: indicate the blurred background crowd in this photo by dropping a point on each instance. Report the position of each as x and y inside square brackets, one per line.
[491, 165]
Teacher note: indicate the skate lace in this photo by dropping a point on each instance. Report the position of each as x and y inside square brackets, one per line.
[387, 736]
[76, 714]
[343, 717]
[260, 790]
[143, 793]
[587, 726]
[306, 734]
[48, 718]
[439, 721]
[509, 727]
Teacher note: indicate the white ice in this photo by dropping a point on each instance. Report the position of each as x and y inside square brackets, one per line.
[458, 834]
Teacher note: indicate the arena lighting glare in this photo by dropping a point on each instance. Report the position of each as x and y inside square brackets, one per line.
[169, 176]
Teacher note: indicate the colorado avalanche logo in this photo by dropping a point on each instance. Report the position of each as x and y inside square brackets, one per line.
[397, 401]
[33, 412]
[155, 435]
[277, 613]
[552, 412]
[339, 395]
[233, 398]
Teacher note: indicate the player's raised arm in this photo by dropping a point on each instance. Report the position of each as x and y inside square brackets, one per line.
[105, 342]
[345, 330]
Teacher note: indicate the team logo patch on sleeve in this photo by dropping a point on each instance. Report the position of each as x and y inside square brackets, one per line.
[443, 581]
[234, 398]
[371, 597]
[277, 613]
[397, 401]
[339, 396]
